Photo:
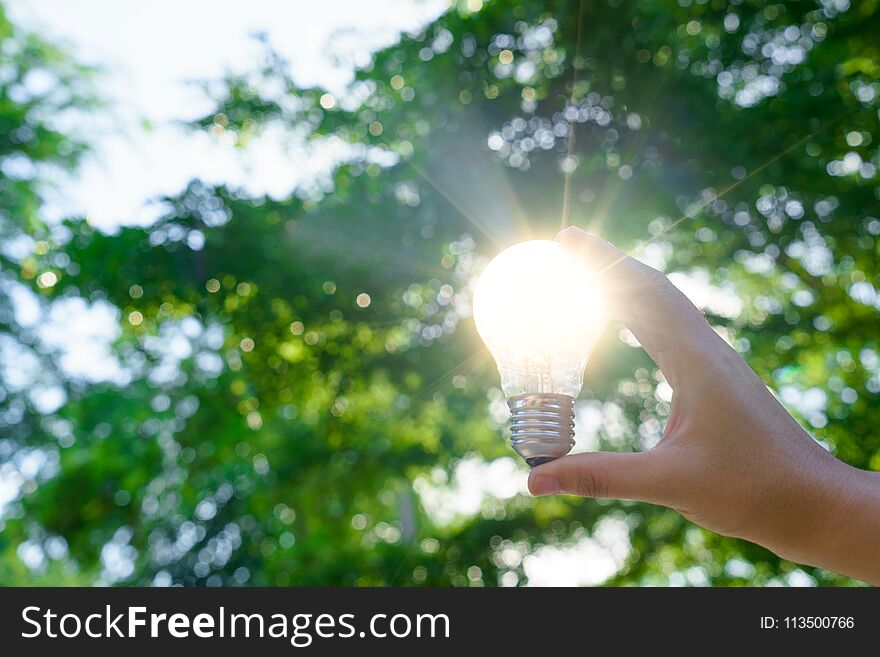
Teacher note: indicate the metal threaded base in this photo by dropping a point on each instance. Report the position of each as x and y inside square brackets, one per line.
[541, 426]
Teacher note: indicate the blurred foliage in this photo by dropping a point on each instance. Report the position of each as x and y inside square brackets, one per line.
[300, 380]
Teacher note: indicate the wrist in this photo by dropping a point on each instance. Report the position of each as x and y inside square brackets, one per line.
[852, 538]
[837, 526]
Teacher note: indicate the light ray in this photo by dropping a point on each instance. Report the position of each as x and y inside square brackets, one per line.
[653, 98]
[566, 185]
[454, 203]
[732, 186]
[436, 383]
[466, 366]
[336, 242]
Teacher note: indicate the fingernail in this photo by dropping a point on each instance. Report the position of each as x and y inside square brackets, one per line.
[565, 232]
[543, 484]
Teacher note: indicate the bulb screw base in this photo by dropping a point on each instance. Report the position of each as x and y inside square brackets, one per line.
[541, 426]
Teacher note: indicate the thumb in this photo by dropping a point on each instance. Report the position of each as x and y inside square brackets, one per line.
[629, 476]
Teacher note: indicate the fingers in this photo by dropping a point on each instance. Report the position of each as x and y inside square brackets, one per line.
[670, 328]
[638, 476]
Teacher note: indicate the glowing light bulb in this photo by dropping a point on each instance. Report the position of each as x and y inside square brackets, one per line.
[540, 313]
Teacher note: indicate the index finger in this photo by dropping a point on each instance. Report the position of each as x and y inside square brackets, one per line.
[670, 328]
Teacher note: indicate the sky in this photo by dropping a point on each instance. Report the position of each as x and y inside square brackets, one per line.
[151, 53]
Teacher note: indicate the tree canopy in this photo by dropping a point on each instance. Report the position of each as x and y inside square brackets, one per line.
[299, 387]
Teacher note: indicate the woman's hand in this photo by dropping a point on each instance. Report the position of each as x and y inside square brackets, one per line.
[732, 459]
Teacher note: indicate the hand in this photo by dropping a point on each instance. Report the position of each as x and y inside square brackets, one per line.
[732, 459]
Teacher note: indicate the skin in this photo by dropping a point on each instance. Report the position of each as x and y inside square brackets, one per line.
[732, 459]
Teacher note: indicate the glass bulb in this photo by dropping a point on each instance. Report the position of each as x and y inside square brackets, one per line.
[540, 313]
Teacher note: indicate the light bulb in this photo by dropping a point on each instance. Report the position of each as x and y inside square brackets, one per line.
[539, 312]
